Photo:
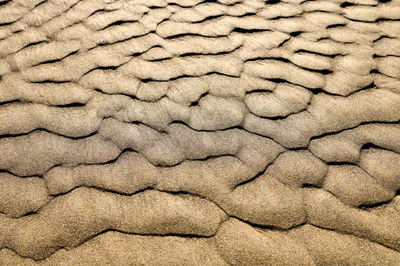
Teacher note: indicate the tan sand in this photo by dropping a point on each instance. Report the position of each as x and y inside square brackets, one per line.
[194, 132]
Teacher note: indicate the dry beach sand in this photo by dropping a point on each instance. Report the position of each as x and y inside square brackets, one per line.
[199, 132]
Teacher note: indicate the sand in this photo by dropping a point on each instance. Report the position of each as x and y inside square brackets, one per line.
[193, 132]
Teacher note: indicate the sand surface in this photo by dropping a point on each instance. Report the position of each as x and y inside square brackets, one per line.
[194, 132]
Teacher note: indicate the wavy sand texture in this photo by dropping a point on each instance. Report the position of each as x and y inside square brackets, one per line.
[198, 132]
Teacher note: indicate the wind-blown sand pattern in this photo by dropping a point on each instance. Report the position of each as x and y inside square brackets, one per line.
[199, 132]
